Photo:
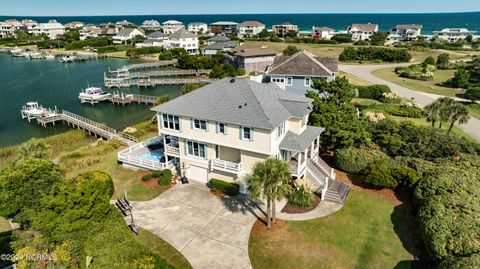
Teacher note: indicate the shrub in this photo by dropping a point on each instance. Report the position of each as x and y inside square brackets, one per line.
[377, 174]
[472, 94]
[361, 43]
[391, 98]
[355, 160]
[342, 38]
[430, 61]
[375, 53]
[147, 177]
[443, 61]
[165, 177]
[157, 174]
[228, 188]
[373, 91]
[290, 50]
[302, 195]
[241, 72]
[405, 110]
[404, 175]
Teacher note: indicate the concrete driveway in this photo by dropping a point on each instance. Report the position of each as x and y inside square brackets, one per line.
[472, 127]
[211, 232]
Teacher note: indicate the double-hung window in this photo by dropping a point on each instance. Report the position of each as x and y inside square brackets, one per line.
[196, 149]
[171, 122]
[308, 81]
[289, 81]
[280, 130]
[199, 124]
[222, 128]
[247, 133]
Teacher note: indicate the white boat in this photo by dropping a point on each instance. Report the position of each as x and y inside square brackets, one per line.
[36, 55]
[16, 50]
[67, 59]
[93, 95]
[32, 110]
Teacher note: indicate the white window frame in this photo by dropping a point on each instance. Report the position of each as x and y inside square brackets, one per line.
[200, 124]
[249, 133]
[280, 130]
[170, 120]
[224, 128]
[309, 81]
[201, 148]
[291, 81]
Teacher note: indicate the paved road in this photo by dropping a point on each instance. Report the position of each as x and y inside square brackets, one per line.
[365, 72]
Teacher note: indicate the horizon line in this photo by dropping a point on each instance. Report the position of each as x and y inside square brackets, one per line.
[278, 13]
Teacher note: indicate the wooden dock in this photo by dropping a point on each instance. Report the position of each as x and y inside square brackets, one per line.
[168, 73]
[143, 66]
[145, 83]
[121, 99]
[90, 126]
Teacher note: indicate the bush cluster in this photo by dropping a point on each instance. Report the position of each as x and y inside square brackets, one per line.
[422, 72]
[228, 188]
[374, 92]
[375, 54]
[395, 110]
[301, 197]
[355, 160]
[164, 177]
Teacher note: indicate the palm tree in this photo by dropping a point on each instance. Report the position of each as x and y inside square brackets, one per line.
[459, 113]
[433, 113]
[269, 181]
[446, 105]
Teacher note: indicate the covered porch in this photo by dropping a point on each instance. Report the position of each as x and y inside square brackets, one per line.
[227, 160]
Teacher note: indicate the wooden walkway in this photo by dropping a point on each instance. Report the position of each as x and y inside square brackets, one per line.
[171, 81]
[168, 73]
[90, 126]
[121, 99]
[144, 66]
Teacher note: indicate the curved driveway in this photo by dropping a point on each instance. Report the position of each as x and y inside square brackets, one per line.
[365, 72]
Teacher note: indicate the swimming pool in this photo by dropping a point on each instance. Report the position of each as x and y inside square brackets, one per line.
[152, 156]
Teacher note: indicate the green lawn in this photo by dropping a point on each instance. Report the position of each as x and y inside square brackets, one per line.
[368, 232]
[474, 109]
[162, 248]
[421, 86]
[354, 79]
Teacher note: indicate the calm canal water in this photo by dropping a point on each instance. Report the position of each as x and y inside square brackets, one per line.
[54, 84]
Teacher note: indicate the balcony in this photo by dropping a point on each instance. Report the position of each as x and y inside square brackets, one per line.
[226, 166]
[297, 168]
[172, 150]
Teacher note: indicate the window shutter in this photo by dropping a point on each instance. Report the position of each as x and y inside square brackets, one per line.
[207, 123]
[180, 123]
[185, 146]
[205, 147]
[217, 128]
[240, 129]
[251, 134]
[191, 123]
[225, 128]
[160, 121]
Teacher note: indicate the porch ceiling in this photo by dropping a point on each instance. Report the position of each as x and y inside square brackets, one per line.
[300, 142]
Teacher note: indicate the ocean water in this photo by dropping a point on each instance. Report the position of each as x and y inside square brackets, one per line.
[430, 21]
[54, 84]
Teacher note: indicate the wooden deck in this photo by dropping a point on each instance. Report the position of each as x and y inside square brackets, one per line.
[171, 81]
[144, 66]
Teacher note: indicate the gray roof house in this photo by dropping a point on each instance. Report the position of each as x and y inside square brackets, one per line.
[252, 58]
[296, 73]
[214, 48]
[405, 32]
[217, 38]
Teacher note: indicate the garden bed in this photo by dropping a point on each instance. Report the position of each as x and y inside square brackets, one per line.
[293, 209]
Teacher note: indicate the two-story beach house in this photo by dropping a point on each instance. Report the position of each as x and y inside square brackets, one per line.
[250, 28]
[198, 28]
[171, 26]
[127, 34]
[322, 32]
[296, 73]
[454, 34]
[405, 32]
[155, 39]
[182, 39]
[224, 27]
[362, 31]
[151, 25]
[6, 29]
[221, 130]
[283, 29]
[52, 29]
[252, 58]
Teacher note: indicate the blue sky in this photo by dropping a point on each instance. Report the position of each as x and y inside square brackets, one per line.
[159, 7]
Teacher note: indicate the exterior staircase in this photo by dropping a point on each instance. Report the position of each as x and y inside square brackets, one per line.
[323, 180]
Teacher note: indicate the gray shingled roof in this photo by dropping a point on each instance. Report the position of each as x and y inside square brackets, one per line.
[221, 45]
[409, 26]
[251, 23]
[128, 31]
[156, 35]
[182, 33]
[218, 38]
[304, 63]
[366, 27]
[296, 142]
[243, 102]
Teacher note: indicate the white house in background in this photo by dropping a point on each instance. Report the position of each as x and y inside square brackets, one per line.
[124, 23]
[223, 27]
[29, 23]
[198, 27]
[52, 29]
[322, 32]
[230, 126]
[182, 39]
[172, 26]
[296, 73]
[16, 24]
[155, 39]
[126, 34]
[74, 25]
[250, 28]
[283, 29]
[89, 31]
[454, 34]
[6, 29]
[362, 31]
[152, 25]
[405, 32]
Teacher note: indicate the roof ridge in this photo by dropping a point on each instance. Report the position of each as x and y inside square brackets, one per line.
[312, 56]
[259, 103]
[288, 60]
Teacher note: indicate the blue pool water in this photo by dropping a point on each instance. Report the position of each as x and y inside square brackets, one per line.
[151, 156]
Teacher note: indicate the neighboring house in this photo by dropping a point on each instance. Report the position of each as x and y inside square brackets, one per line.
[152, 25]
[223, 129]
[155, 39]
[198, 28]
[454, 34]
[16, 24]
[224, 27]
[29, 23]
[7, 29]
[252, 58]
[89, 31]
[107, 30]
[52, 29]
[127, 34]
[182, 39]
[172, 26]
[405, 32]
[250, 28]
[74, 25]
[296, 73]
[217, 38]
[322, 32]
[362, 31]
[124, 23]
[283, 29]
[214, 48]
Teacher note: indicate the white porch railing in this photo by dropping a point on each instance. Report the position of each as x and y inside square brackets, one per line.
[129, 157]
[226, 166]
[172, 150]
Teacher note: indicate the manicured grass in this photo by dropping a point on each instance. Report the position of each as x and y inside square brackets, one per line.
[365, 102]
[326, 50]
[4, 225]
[421, 86]
[368, 232]
[164, 249]
[354, 79]
[474, 109]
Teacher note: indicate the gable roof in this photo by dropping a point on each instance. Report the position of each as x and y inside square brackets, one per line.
[247, 50]
[252, 23]
[157, 35]
[128, 31]
[409, 26]
[218, 38]
[304, 63]
[367, 27]
[323, 28]
[299, 142]
[172, 22]
[221, 45]
[182, 33]
[242, 102]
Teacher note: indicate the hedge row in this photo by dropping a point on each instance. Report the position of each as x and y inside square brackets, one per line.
[355, 160]
[372, 92]
[375, 54]
[231, 189]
